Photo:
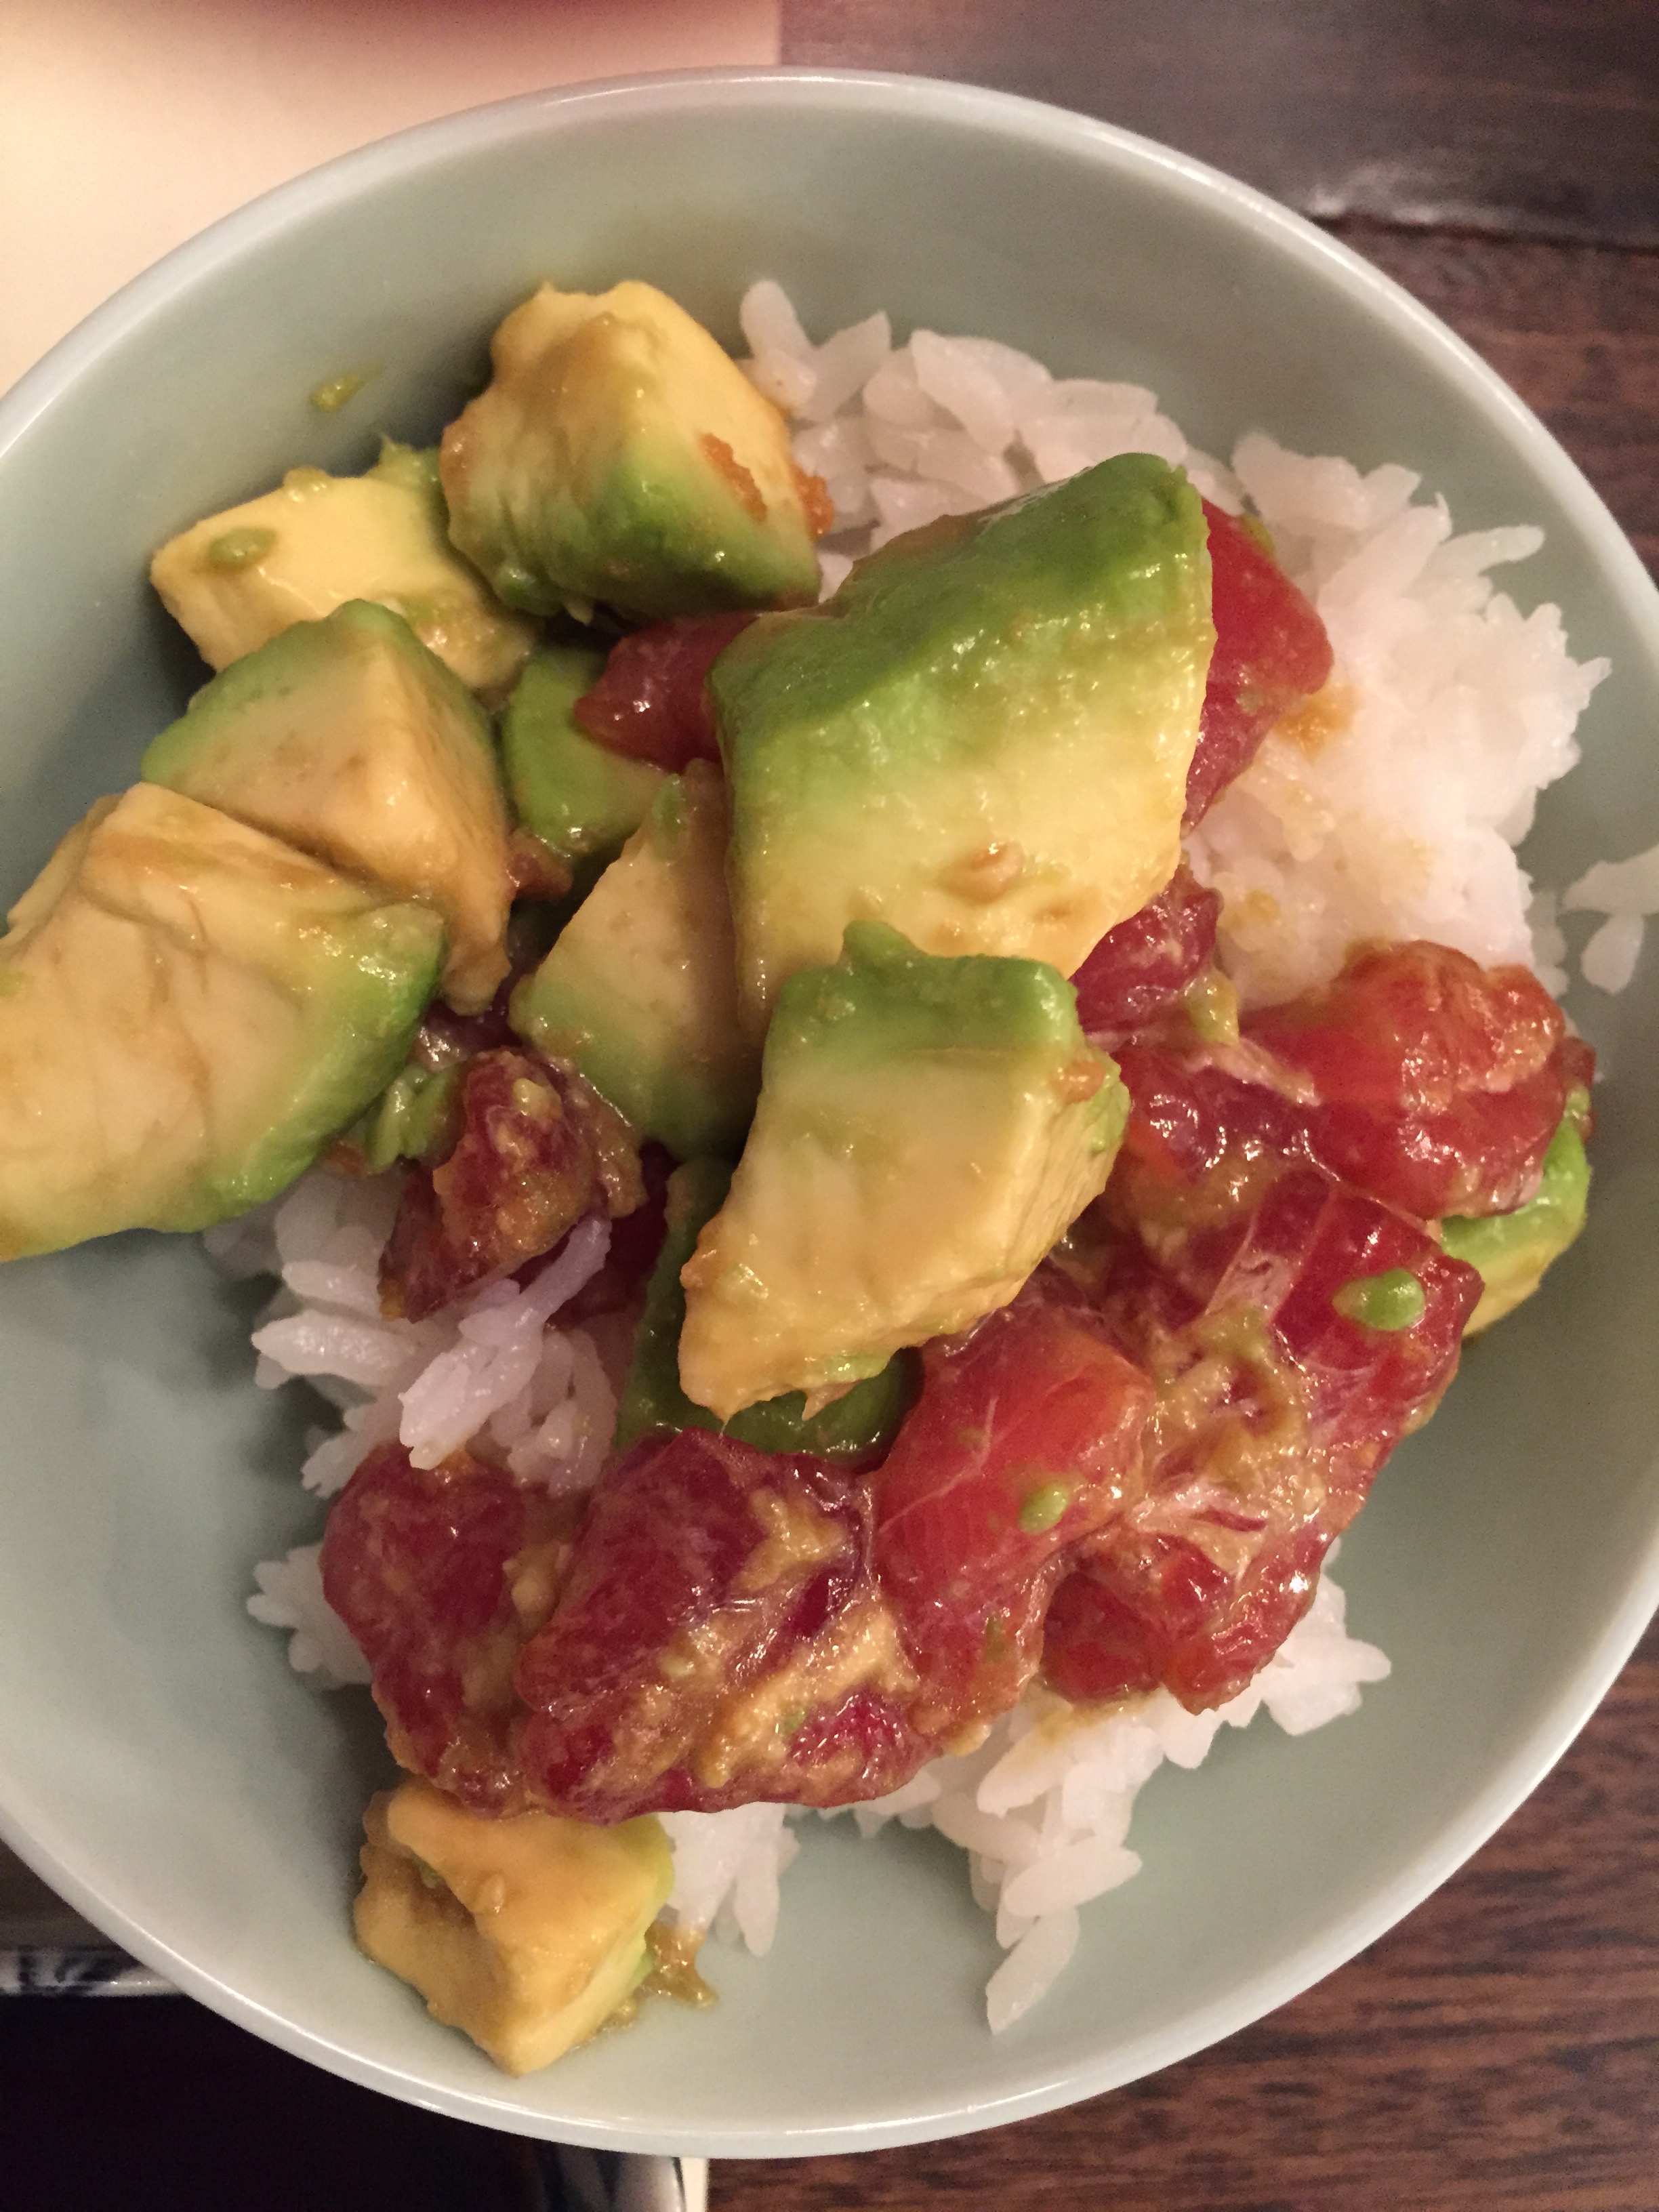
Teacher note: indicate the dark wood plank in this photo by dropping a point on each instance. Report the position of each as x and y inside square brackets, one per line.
[1497, 2052]
[1574, 329]
[1534, 117]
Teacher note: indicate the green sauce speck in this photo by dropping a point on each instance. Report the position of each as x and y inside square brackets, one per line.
[239, 548]
[1393, 1300]
[330, 396]
[1040, 1509]
[1212, 1004]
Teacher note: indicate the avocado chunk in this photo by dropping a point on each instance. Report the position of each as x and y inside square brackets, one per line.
[189, 1011]
[1513, 1249]
[982, 739]
[348, 739]
[927, 1129]
[619, 455]
[527, 1931]
[859, 1425]
[417, 1117]
[236, 579]
[640, 994]
[583, 800]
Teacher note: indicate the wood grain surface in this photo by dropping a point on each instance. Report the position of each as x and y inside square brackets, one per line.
[1534, 119]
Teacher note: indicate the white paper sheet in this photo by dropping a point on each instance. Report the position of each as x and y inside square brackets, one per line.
[127, 125]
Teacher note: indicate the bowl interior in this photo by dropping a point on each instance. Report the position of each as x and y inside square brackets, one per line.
[160, 1763]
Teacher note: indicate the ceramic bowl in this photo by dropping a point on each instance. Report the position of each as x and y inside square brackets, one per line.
[159, 1763]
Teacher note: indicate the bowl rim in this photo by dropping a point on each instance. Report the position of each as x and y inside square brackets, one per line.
[1012, 118]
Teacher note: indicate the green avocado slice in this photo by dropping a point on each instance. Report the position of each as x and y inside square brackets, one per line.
[236, 579]
[859, 1426]
[926, 1130]
[1512, 1250]
[417, 1117]
[189, 1012]
[640, 991]
[583, 800]
[982, 739]
[618, 455]
[348, 739]
[527, 1931]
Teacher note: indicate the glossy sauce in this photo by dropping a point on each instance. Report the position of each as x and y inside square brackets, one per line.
[1127, 1477]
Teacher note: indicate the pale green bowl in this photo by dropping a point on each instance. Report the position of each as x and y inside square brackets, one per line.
[158, 1761]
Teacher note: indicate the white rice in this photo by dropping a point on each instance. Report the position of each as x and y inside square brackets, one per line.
[727, 1868]
[1044, 1807]
[290, 1596]
[1403, 822]
[1399, 817]
[488, 1365]
[1627, 892]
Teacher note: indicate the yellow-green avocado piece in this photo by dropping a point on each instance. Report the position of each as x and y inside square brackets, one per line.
[527, 1931]
[583, 800]
[619, 455]
[926, 1130]
[234, 579]
[982, 739]
[1513, 1249]
[859, 1425]
[189, 1011]
[348, 739]
[640, 991]
[417, 1117]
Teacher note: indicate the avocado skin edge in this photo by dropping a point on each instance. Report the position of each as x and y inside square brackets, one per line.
[577, 796]
[1119, 541]
[1512, 1250]
[859, 1426]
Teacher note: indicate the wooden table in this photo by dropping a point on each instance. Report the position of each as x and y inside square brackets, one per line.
[1499, 2051]
[1500, 158]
